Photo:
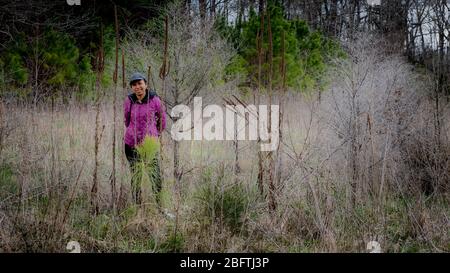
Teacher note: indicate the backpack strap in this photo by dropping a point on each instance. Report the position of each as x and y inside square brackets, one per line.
[152, 94]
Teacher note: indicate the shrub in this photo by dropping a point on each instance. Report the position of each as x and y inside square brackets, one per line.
[224, 203]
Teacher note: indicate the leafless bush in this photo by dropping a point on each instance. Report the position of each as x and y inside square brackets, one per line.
[424, 156]
[373, 110]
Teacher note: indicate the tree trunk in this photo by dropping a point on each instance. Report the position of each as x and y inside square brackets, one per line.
[177, 171]
[261, 7]
[202, 9]
[212, 9]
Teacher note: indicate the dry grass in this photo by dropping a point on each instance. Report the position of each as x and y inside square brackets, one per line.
[332, 197]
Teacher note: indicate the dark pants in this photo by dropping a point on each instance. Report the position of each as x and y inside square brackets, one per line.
[133, 159]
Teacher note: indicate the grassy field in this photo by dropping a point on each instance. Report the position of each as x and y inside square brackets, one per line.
[46, 168]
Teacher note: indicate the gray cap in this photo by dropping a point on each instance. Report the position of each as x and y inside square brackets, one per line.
[137, 76]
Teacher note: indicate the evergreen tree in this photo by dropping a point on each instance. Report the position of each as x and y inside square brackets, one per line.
[305, 54]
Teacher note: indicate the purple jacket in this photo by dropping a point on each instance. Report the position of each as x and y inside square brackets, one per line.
[143, 118]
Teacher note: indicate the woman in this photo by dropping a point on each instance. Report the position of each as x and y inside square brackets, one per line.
[144, 115]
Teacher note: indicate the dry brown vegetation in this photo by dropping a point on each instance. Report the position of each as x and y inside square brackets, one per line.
[368, 161]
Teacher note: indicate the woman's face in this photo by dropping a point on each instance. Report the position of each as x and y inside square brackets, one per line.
[139, 87]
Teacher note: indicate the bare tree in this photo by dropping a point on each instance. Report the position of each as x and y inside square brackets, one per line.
[100, 61]
[369, 115]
